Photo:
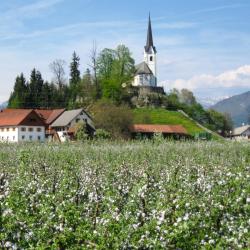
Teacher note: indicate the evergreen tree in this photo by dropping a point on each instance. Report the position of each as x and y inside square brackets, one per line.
[19, 95]
[75, 77]
[35, 89]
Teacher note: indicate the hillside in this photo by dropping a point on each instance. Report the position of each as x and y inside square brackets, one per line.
[237, 106]
[163, 116]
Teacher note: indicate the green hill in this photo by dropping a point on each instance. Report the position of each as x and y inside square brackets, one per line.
[163, 116]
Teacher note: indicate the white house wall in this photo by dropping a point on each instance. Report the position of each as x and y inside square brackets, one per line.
[8, 134]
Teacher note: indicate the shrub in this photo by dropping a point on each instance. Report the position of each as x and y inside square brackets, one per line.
[114, 119]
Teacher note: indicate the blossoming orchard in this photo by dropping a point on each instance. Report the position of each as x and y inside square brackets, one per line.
[125, 195]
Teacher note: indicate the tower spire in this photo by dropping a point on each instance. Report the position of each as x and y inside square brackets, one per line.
[150, 42]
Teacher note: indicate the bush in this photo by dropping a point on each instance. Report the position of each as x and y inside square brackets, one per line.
[102, 134]
[114, 119]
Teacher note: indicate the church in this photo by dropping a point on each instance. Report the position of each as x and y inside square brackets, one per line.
[146, 71]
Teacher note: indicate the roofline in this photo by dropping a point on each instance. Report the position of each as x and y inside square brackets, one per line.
[71, 119]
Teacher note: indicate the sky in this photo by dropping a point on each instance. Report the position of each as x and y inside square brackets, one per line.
[202, 45]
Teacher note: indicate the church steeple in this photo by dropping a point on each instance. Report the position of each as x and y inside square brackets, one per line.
[150, 42]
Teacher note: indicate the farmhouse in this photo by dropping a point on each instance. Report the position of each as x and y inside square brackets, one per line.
[148, 130]
[241, 133]
[20, 125]
[66, 124]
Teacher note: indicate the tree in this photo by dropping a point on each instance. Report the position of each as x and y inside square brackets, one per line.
[187, 97]
[87, 90]
[57, 68]
[93, 65]
[18, 97]
[116, 120]
[35, 88]
[75, 76]
[115, 67]
[221, 123]
[105, 63]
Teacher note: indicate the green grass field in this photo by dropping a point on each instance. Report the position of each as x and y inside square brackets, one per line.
[125, 195]
[163, 116]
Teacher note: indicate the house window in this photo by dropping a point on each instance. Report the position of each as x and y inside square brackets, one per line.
[23, 129]
[2, 129]
[14, 138]
[38, 129]
[30, 129]
[39, 138]
[23, 137]
[30, 137]
[7, 129]
[13, 129]
[77, 120]
[151, 59]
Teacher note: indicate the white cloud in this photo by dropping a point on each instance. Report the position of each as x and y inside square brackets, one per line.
[239, 77]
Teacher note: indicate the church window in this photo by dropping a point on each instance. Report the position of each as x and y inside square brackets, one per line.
[141, 79]
[151, 58]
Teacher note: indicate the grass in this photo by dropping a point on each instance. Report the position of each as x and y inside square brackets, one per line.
[125, 195]
[163, 116]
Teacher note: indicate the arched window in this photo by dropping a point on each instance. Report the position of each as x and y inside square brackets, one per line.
[151, 58]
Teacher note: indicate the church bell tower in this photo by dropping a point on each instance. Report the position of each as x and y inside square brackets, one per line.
[150, 54]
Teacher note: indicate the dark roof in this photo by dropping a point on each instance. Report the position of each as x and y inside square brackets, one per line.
[150, 42]
[151, 128]
[16, 117]
[142, 68]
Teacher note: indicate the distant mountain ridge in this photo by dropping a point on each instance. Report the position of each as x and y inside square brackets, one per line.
[3, 105]
[237, 106]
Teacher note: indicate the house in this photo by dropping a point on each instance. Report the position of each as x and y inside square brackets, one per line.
[148, 130]
[146, 72]
[21, 125]
[49, 116]
[65, 125]
[241, 133]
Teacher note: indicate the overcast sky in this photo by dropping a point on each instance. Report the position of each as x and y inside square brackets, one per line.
[202, 45]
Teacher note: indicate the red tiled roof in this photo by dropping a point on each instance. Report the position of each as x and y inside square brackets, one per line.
[15, 117]
[150, 128]
[49, 115]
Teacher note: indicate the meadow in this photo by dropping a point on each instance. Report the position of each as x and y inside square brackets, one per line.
[125, 195]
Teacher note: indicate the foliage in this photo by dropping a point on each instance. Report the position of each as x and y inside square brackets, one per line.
[114, 68]
[102, 134]
[114, 119]
[185, 100]
[220, 122]
[80, 133]
[19, 96]
[125, 196]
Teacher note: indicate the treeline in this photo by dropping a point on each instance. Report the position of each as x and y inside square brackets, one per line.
[109, 71]
[108, 79]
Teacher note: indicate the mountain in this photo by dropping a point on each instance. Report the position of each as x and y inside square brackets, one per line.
[208, 102]
[237, 106]
[3, 105]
